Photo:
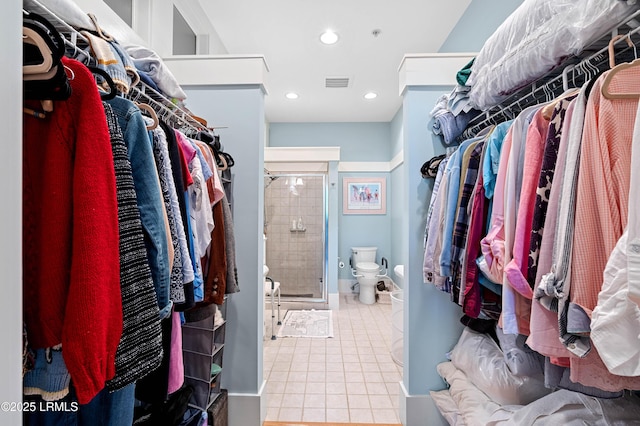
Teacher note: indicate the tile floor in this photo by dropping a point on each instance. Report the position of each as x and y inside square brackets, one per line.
[348, 378]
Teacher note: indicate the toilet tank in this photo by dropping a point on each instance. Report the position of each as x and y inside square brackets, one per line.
[363, 254]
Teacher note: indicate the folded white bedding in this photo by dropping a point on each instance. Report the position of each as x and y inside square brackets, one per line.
[447, 407]
[474, 406]
[534, 39]
[569, 408]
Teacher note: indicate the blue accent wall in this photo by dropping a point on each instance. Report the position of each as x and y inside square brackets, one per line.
[431, 320]
[242, 110]
[357, 141]
[477, 23]
[358, 230]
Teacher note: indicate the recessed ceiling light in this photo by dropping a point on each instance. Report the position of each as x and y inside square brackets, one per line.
[370, 95]
[329, 37]
[292, 95]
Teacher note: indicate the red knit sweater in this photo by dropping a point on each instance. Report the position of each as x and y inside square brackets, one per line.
[71, 284]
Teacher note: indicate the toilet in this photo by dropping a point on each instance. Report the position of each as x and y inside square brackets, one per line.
[367, 271]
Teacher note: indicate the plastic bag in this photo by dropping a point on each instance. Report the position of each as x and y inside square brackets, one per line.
[533, 40]
[480, 358]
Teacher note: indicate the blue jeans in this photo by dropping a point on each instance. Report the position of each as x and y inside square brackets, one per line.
[105, 409]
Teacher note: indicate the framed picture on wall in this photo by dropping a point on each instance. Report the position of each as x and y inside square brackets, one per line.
[364, 196]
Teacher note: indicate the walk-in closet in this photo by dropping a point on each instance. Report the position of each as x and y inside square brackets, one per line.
[320, 213]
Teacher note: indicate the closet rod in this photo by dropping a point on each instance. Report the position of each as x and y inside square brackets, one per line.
[172, 113]
[163, 106]
[553, 87]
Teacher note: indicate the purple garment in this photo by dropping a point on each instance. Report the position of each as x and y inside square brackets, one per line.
[176, 363]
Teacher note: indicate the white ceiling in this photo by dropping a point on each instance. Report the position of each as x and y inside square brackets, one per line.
[287, 33]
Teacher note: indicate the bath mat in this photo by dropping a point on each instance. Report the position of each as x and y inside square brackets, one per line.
[304, 323]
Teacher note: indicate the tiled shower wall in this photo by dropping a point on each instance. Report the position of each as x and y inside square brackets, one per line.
[295, 258]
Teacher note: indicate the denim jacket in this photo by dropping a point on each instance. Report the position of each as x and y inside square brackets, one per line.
[149, 197]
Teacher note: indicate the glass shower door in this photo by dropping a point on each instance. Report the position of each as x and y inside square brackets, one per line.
[295, 226]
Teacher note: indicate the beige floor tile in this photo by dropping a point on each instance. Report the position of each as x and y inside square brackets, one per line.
[276, 387]
[358, 401]
[272, 414]
[350, 358]
[313, 415]
[368, 358]
[377, 389]
[358, 415]
[295, 387]
[286, 350]
[338, 415]
[383, 358]
[353, 376]
[395, 401]
[370, 367]
[337, 358]
[380, 401]
[336, 388]
[284, 358]
[317, 358]
[349, 350]
[274, 400]
[316, 387]
[393, 388]
[288, 342]
[316, 367]
[297, 376]
[337, 401]
[392, 376]
[277, 376]
[281, 366]
[335, 376]
[302, 343]
[316, 376]
[356, 388]
[385, 415]
[298, 357]
[333, 350]
[313, 400]
[373, 376]
[292, 400]
[290, 415]
[352, 366]
[299, 366]
[335, 367]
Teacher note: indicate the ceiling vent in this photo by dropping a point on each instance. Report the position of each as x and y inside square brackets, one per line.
[336, 82]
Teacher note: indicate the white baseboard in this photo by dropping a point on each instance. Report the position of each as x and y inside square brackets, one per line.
[334, 300]
[418, 410]
[248, 409]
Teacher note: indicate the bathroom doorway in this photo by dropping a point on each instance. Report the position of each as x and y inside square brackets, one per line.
[295, 224]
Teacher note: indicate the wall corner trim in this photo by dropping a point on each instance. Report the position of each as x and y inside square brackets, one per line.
[302, 154]
[371, 166]
[431, 69]
[219, 70]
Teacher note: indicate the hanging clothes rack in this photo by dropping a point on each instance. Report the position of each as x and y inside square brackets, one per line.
[573, 72]
[76, 46]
